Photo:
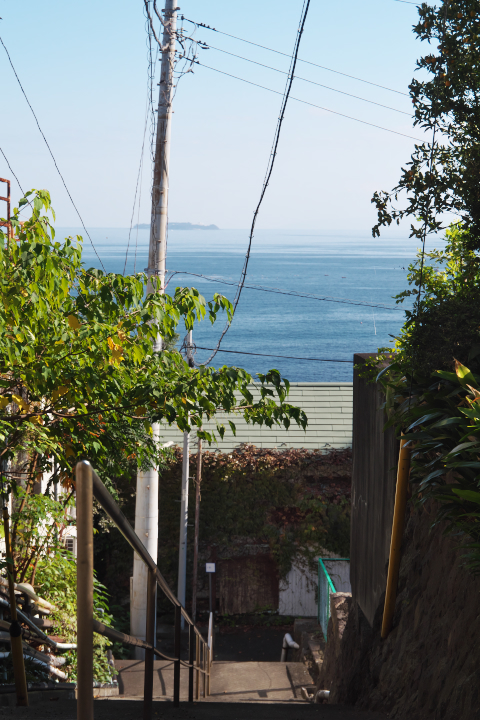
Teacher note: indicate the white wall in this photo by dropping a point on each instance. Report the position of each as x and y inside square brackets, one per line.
[297, 593]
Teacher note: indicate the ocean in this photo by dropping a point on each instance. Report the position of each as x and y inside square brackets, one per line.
[340, 265]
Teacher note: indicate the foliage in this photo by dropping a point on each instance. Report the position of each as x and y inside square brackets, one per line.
[34, 673]
[78, 359]
[431, 395]
[442, 175]
[264, 617]
[296, 501]
[40, 558]
[445, 324]
[441, 418]
[81, 377]
[37, 531]
[57, 583]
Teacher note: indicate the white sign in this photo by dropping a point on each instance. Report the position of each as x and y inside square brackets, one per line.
[210, 567]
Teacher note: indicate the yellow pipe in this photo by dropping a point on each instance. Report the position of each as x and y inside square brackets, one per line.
[15, 629]
[397, 534]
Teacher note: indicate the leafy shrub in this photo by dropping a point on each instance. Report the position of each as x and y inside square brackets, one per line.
[57, 583]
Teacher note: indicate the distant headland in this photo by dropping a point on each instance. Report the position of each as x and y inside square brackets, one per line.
[179, 226]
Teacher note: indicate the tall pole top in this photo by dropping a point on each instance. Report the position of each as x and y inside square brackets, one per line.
[159, 219]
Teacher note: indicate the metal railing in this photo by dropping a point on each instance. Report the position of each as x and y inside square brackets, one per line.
[325, 589]
[88, 486]
[6, 198]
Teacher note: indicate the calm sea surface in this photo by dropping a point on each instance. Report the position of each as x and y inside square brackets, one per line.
[339, 265]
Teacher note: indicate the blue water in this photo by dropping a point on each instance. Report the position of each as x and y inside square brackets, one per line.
[342, 265]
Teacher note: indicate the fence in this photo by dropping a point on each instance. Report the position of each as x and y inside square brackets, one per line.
[374, 476]
[325, 589]
[200, 658]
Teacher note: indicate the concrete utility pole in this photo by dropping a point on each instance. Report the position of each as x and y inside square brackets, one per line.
[197, 530]
[146, 507]
[182, 554]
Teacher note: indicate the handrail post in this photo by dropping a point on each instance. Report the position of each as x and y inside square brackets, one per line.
[176, 666]
[204, 667]
[191, 656]
[197, 672]
[84, 501]
[403, 474]
[150, 639]
[208, 672]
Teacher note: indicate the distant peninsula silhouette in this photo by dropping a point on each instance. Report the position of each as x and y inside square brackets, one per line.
[179, 226]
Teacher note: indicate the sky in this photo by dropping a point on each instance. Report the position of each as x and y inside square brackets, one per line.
[83, 66]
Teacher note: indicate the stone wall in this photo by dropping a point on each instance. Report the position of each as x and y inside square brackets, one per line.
[428, 667]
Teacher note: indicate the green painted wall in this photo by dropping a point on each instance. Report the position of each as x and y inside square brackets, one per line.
[329, 408]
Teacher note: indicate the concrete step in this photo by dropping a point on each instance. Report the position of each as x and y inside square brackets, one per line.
[258, 682]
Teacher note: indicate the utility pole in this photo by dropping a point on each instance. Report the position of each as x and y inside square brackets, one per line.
[182, 551]
[198, 481]
[146, 507]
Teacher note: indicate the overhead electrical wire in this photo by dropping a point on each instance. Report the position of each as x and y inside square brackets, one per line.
[307, 62]
[52, 155]
[270, 165]
[312, 82]
[293, 293]
[140, 168]
[10, 168]
[285, 357]
[305, 102]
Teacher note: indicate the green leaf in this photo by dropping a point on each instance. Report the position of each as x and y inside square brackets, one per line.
[462, 446]
[465, 376]
[448, 422]
[469, 495]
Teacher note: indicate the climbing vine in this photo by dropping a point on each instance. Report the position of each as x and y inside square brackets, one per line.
[295, 501]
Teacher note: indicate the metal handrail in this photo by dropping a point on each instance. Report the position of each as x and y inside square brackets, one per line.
[40, 634]
[330, 589]
[117, 636]
[89, 485]
[327, 574]
[107, 502]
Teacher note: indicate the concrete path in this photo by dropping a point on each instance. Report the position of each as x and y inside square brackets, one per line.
[230, 681]
[239, 691]
[258, 681]
[133, 710]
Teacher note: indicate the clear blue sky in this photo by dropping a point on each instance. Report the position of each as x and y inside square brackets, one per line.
[84, 67]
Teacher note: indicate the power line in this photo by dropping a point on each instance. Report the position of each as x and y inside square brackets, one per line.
[293, 293]
[21, 189]
[270, 164]
[285, 357]
[305, 102]
[312, 82]
[140, 166]
[307, 62]
[51, 154]
[10, 168]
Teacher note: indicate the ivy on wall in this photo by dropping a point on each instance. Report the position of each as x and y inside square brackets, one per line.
[295, 501]
[292, 501]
